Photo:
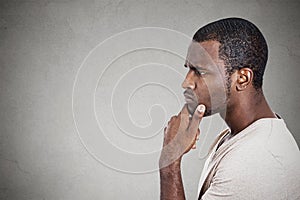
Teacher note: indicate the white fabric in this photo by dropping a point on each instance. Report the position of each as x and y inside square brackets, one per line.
[260, 162]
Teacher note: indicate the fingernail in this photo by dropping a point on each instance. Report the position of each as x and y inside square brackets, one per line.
[201, 108]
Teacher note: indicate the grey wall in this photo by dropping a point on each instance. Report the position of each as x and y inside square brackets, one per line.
[43, 44]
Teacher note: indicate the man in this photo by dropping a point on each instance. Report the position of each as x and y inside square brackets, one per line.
[257, 157]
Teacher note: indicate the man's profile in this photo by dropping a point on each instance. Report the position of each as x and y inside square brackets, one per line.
[257, 157]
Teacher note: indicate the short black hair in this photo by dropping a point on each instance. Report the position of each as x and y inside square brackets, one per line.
[242, 45]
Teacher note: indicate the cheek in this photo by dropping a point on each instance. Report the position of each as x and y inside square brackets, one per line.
[213, 90]
[203, 91]
[219, 93]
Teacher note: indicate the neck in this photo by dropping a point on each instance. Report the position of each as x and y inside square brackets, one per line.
[247, 110]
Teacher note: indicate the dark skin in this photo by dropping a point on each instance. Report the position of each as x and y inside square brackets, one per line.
[205, 84]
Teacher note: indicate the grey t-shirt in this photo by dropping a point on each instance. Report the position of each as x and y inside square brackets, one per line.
[260, 162]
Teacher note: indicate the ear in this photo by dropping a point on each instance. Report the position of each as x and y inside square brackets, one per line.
[244, 78]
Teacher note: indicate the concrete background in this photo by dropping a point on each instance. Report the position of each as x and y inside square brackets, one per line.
[42, 45]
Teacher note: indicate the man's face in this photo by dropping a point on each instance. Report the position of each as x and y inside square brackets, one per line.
[205, 82]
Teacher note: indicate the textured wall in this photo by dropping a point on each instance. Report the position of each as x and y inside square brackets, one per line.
[43, 43]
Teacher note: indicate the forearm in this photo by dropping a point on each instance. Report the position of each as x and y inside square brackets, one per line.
[171, 186]
[179, 137]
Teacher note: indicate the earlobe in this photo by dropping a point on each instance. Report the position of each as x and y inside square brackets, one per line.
[244, 78]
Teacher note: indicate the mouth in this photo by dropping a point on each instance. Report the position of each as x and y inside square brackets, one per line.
[189, 100]
[189, 97]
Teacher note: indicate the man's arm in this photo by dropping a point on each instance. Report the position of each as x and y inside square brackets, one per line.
[179, 137]
[171, 186]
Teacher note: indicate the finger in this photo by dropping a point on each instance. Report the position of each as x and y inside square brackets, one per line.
[184, 110]
[197, 116]
[184, 117]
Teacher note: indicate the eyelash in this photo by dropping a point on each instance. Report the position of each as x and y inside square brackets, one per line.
[197, 72]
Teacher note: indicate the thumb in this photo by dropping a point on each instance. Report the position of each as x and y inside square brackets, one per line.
[197, 116]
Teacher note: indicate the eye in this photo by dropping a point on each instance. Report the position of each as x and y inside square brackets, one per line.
[198, 72]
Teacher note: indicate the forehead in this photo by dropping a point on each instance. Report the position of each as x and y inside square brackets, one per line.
[203, 53]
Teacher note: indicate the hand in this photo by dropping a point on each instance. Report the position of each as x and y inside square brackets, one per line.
[180, 135]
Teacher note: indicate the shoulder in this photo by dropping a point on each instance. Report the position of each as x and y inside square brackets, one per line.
[267, 145]
[264, 141]
[265, 161]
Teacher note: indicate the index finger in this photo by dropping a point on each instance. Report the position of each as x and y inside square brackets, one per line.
[197, 116]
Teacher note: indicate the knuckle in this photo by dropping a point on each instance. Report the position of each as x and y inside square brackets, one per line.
[173, 118]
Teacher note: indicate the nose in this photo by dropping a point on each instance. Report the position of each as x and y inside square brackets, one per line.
[189, 81]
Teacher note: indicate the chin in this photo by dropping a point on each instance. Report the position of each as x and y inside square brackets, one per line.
[192, 107]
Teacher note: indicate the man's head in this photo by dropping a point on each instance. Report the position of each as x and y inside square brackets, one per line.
[231, 54]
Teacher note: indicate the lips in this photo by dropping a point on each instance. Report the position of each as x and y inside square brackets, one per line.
[189, 97]
[190, 100]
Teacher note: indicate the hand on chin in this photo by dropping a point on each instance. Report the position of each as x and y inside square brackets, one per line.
[191, 108]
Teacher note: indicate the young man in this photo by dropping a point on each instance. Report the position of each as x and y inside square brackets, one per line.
[257, 157]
